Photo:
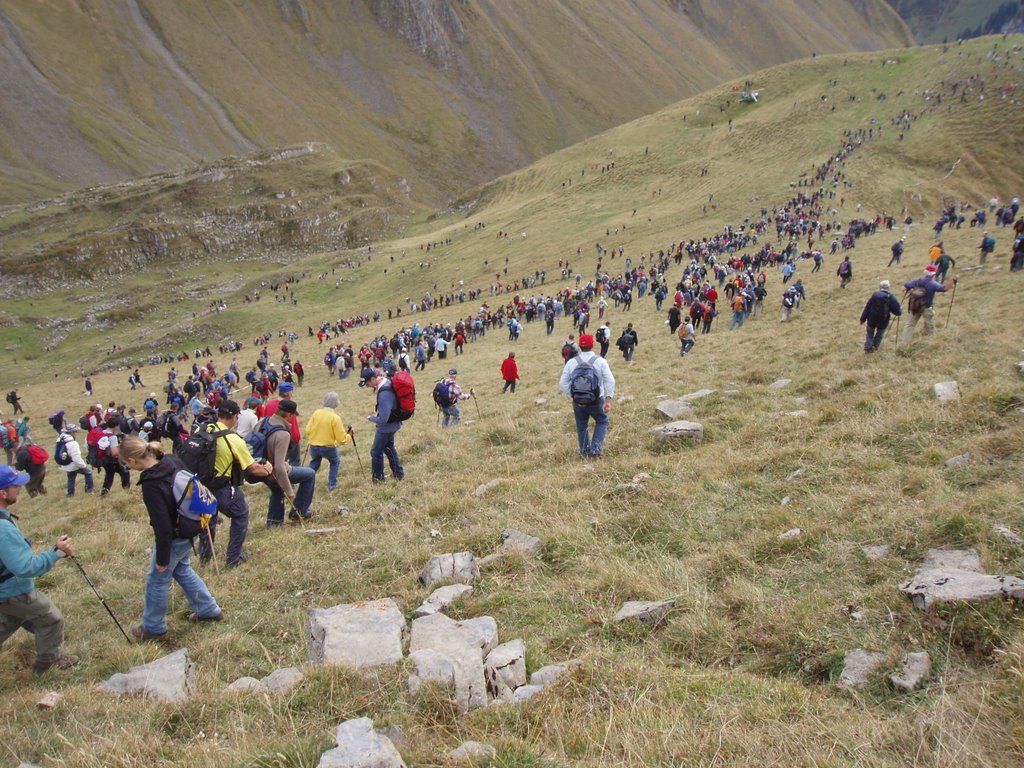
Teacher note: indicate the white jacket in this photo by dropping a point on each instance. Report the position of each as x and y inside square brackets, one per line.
[74, 452]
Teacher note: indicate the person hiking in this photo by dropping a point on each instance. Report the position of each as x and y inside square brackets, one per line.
[109, 456]
[588, 380]
[942, 265]
[686, 337]
[386, 428]
[450, 387]
[897, 251]
[920, 299]
[287, 392]
[509, 373]
[877, 311]
[15, 400]
[26, 459]
[325, 432]
[604, 336]
[627, 342]
[845, 272]
[21, 604]
[287, 481]
[172, 545]
[988, 245]
[76, 463]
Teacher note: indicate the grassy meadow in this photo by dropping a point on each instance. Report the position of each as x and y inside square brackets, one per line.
[743, 670]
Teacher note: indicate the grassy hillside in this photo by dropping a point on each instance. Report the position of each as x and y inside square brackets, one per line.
[101, 91]
[743, 670]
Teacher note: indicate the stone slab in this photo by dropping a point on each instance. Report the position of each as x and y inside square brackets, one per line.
[364, 634]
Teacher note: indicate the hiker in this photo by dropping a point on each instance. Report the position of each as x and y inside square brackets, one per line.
[942, 265]
[686, 337]
[172, 546]
[845, 272]
[294, 483]
[604, 336]
[449, 387]
[287, 390]
[325, 433]
[897, 251]
[384, 437]
[108, 454]
[57, 420]
[249, 417]
[32, 460]
[9, 434]
[232, 464]
[588, 380]
[14, 400]
[1017, 262]
[920, 299]
[627, 343]
[88, 388]
[877, 312]
[21, 604]
[988, 245]
[76, 464]
[509, 373]
[569, 348]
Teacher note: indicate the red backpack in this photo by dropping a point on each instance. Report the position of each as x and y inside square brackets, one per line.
[405, 394]
[38, 455]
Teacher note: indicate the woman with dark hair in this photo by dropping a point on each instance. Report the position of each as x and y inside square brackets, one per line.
[173, 544]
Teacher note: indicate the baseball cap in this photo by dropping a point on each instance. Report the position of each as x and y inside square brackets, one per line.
[228, 408]
[931, 269]
[586, 341]
[288, 406]
[365, 375]
[9, 477]
[453, 371]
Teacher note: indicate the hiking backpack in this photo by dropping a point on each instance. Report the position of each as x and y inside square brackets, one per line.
[917, 299]
[568, 351]
[9, 435]
[602, 335]
[584, 383]
[195, 504]
[60, 453]
[199, 454]
[443, 394]
[256, 441]
[84, 423]
[405, 396]
[95, 456]
[38, 455]
[844, 269]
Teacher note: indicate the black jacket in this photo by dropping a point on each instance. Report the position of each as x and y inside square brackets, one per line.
[158, 494]
[880, 306]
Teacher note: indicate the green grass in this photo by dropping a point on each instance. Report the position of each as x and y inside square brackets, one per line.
[741, 671]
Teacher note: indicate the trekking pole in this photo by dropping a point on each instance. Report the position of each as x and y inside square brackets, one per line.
[476, 403]
[356, 449]
[951, 300]
[213, 552]
[103, 600]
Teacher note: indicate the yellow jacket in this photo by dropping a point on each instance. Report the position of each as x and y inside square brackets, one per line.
[325, 429]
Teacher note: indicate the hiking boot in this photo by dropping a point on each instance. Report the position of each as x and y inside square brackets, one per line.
[196, 618]
[242, 558]
[141, 634]
[104, 492]
[293, 516]
[63, 661]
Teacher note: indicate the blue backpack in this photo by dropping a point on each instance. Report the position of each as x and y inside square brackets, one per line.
[584, 383]
[256, 441]
[195, 503]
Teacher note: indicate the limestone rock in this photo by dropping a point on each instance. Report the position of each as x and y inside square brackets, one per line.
[441, 599]
[515, 542]
[786, 501]
[457, 656]
[243, 685]
[958, 461]
[485, 487]
[780, 383]
[359, 746]
[170, 679]
[698, 394]
[505, 669]
[947, 391]
[644, 612]
[792, 533]
[525, 693]
[1009, 534]
[949, 585]
[679, 429]
[486, 629]
[876, 552]
[795, 475]
[540, 401]
[473, 753]
[460, 567]
[281, 681]
[917, 669]
[857, 666]
[364, 634]
[551, 673]
[960, 559]
[50, 700]
[674, 409]
[641, 477]
[395, 735]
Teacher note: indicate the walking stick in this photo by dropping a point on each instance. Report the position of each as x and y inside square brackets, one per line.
[213, 552]
[471, 392]
[951, 300]
[103, 600]
[355, 448]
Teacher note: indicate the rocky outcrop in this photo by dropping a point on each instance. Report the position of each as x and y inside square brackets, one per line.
[170, 679]
[365, 634]
[432, 28]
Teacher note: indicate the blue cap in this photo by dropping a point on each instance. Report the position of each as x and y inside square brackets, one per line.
[286, 386]
[9, 477]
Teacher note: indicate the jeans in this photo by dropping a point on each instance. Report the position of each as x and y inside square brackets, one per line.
[318, 453]
[737, 318]
[230, 503]
[874, 337]
[591, 445]
[452, 415]
[158, 585]
[509, 385]
[34, 610]
[86, 473]
[303, 480]
[384, 445]
[627, 353]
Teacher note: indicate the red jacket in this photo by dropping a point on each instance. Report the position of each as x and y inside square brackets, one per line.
[509, 369]
[270, 408]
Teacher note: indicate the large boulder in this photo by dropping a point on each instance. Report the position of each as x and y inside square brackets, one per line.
[364, 634]
[359, 746]
[170, 679]
[459, 566]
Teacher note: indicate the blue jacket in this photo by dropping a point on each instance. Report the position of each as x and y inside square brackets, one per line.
[17, 563]
[387, 400]
[930, 284]
[880, 306]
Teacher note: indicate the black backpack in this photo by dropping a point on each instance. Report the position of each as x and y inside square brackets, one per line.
[199, 455]
[584, 383]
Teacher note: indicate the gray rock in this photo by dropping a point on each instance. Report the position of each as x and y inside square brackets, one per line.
[540, 401]
[698, 394]
[50, 700]
[395, 735]
[321, 531]
[731, 392]
[170, 679]
[641, 477]
[690, 430]
[960, 559]
[244, 685]
[950, 585]
[505, 669]
[473, 753]
[1009, 534]
[674, 409]
[780, 383]
[551, 673]
[644, 612]
[486, 560]
[947, 391]
[359, 746]
[786, 501]
[459, 566]
[281, 681]
[485, 487]
[1020, 367]
[486, 629]
[917, 669]
[365, 634]
[958, 461]
[515, 542]
[457, 656]
[792, 533]
[525, 693]
[795, 475]
[343, 510]
[441, 599]
[857, 666]
[876, 552]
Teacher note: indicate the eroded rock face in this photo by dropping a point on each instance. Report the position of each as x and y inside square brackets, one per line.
[170, 679]
[431, 27]
[365, 634]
